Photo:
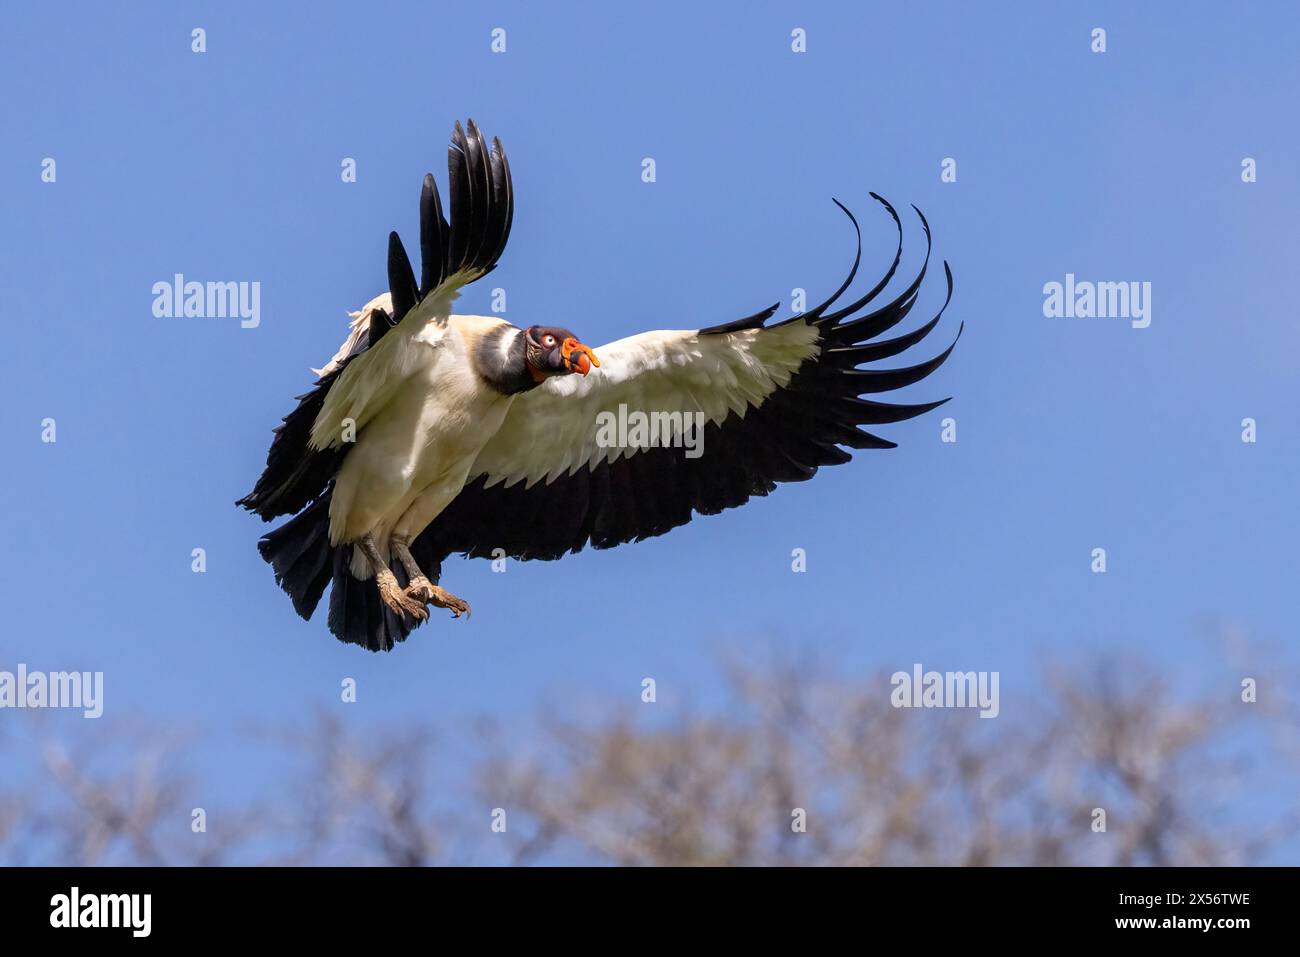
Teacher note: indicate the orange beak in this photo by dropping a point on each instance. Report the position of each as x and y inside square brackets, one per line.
[577, 357]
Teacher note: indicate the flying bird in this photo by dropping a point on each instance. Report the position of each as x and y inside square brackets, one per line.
[430, 433]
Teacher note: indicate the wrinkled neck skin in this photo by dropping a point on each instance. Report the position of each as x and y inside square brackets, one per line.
[501, 358]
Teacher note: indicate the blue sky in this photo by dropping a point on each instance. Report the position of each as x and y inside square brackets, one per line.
[1072, 434]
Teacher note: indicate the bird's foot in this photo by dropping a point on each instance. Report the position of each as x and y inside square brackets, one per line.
[427, 593]
[397, 599]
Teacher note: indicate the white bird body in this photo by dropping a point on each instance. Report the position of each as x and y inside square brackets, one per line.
[420, 419]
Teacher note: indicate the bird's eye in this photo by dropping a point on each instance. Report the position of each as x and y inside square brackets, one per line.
[548, 341]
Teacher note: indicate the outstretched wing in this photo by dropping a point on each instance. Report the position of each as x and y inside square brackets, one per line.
[370, 367]
[777, 401]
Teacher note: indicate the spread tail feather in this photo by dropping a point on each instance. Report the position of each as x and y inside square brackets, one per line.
[357, 614]
[304, 562]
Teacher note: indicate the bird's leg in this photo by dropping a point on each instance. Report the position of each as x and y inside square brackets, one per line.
[420, 588]
[390, 592]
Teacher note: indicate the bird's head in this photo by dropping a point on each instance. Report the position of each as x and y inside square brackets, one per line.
[551, 351]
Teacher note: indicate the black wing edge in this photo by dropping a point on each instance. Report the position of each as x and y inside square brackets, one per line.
[829, 380]
[482, 212]
[295, 474]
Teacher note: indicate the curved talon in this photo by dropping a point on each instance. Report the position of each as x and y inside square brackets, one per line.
[424, 591]
[401, 601]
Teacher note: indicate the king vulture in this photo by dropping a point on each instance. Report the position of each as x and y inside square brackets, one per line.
[430, 433]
